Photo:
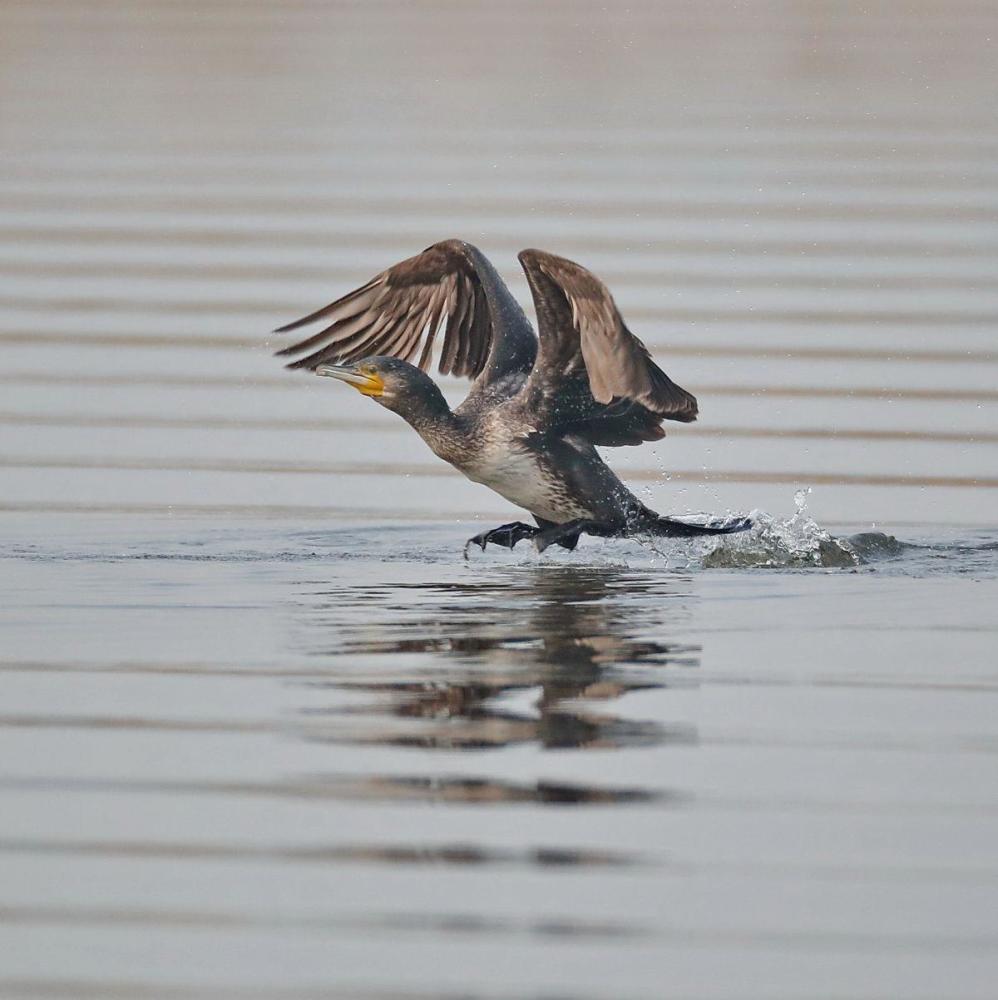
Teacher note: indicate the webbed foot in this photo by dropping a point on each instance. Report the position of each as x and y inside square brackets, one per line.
[506, 535]
[567, 535]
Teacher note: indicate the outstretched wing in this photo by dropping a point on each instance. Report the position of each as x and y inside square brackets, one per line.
[400, 312]
[593, 377]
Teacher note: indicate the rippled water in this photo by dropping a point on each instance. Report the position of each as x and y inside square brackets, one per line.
[261, 760]
[264, 733]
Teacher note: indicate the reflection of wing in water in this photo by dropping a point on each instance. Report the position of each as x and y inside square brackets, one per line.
[500, 677]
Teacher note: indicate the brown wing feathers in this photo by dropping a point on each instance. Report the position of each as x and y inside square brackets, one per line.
[580, 323]
[399, 313]
[585, 347]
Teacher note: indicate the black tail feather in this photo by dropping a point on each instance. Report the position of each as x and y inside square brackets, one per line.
[668, 527]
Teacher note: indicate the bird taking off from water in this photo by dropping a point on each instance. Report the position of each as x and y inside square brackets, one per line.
[539, 404]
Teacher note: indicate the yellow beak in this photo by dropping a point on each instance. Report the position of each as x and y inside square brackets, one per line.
[366, 385]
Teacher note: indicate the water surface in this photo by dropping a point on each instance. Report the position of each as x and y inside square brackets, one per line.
[266, 759]
[265, 734]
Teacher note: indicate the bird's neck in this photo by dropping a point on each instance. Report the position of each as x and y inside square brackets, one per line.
[435, 422]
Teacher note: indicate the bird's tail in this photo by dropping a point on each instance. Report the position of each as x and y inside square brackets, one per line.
[668, 527]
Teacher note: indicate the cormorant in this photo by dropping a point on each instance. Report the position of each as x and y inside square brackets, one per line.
[539, 404]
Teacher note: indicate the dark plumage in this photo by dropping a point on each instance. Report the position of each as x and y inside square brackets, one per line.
[538, 406]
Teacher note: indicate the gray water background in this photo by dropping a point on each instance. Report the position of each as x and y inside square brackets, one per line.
[264, 733]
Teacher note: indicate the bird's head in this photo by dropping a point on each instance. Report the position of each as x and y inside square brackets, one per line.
[394, 384]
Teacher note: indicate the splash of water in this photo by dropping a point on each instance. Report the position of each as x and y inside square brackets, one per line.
[797, 541]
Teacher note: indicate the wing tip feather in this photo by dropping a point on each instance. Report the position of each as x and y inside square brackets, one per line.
[376, 316]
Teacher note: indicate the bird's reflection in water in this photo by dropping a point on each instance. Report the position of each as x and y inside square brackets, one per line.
[534, 655]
